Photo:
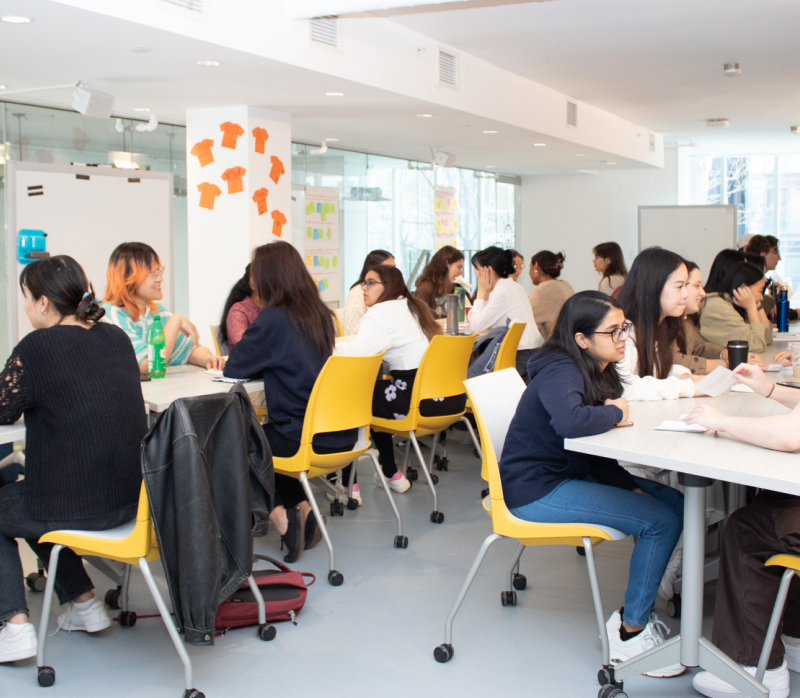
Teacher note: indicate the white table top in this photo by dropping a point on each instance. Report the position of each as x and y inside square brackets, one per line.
[186, 381]
[12, 432]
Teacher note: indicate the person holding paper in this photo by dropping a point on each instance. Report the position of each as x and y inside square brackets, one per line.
[654, 299]
[769, 526]
[576, 391]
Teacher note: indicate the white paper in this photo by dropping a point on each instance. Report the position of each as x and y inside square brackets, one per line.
[213, 372]
[716, 382]
[672, 425]
[785, 337]
[774, 367]
[742, 388]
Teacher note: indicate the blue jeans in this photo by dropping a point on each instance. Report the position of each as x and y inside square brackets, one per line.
[657, 520]
[15, 522]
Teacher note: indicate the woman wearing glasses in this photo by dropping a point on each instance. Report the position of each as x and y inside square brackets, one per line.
[133, 289]
[403, 326]
[576, 391]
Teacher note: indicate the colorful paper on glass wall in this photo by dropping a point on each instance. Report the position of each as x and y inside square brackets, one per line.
[322, 240]
[445, 208]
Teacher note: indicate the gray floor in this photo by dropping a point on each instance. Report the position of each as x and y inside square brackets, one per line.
[375, 634]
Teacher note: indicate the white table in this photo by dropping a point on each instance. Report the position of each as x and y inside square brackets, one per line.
[12, 432]
[700, 459]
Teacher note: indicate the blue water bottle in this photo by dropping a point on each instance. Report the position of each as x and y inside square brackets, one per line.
[783, 311]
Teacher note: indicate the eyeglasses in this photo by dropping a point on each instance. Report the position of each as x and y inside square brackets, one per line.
[369, 283]
[616, 335]
[157, 274]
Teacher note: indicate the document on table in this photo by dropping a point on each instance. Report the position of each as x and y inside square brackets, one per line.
[742, 388]
[716, 382]
[774, 367]
[785, 337]
[214, 372]
[675, 425]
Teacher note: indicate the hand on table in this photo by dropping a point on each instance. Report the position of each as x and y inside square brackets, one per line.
[622, 404]
[756, 360]
[754, 378]
[782, 356]
[706, 417]
[214, 363]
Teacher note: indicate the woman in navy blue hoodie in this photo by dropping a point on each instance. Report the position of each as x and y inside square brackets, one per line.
[575, 391]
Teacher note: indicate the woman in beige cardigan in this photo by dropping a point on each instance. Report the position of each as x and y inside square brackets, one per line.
[733, 312]
[549, 293]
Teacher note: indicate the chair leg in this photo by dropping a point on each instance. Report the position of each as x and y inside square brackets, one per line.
[433, 452]
[334, 577]
[352, 479]
[400, 541]
[513, 568]
[265, 631]
[47, 675]
[126, 582]
[436, 515]
[474, 438]
[598, 601]
[774, 621]
[169, 624]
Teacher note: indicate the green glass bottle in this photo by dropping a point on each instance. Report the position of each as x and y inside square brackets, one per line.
[156, 349]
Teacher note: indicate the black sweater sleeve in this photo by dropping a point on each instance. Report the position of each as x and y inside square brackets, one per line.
[15, 392]
[252, 353]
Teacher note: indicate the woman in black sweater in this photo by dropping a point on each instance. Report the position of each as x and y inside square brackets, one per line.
[76, 380]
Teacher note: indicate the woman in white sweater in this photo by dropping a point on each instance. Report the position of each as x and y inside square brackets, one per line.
[499, 299]
[654, 300]
[354, 307]
[402, 325]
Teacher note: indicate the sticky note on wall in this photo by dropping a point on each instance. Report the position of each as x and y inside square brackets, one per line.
[321, 284]
[333, 208]
[327, 263]
[329, 233]
[309, 232]
[336, 261]
[316, 261]
[309, 260]
[319, 207]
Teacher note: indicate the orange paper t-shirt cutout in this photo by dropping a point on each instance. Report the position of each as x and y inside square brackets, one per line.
[230, 133]
[261, 137]
[203, 152]
[260, 197]
[277, 169]
[278, 221]
[233, 176]
[208, 192]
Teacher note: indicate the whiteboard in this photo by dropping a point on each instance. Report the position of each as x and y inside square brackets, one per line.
[86, 219]
[696, 233]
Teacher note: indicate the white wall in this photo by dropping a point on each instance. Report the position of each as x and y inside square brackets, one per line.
[573, 213]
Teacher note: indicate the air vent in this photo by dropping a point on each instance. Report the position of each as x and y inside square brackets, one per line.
[652, 143]
[324, 30]
[448, 69]
[572, 114]
[188, 5]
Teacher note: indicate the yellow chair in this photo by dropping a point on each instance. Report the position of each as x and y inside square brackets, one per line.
[337, 319]
[495, 397]
[441, 374]
[219, 345]
[792, 565]
[132, 543]
[341, 399]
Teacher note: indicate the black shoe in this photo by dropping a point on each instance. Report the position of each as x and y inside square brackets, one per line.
[313, 534]
[294, 538]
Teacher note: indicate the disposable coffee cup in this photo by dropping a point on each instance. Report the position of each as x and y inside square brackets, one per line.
[738, 351]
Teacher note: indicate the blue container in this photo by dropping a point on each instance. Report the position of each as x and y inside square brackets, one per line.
[31, 245]
[783, 311]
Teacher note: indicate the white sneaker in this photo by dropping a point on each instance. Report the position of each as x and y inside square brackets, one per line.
[792, 652]
[400, 485]
[776, 680]
[651, 636]
[17, 641]
[666, 589]
[91, 619]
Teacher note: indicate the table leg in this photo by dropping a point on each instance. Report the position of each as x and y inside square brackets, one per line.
[690, 648]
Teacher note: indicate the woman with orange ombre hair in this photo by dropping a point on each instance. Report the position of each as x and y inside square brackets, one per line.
[134, 279]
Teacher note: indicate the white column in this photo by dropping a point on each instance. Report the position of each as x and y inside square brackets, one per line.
[229, 162]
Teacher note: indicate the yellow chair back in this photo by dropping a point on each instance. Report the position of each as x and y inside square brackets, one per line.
[215, 336]
[507, 356]
[792, 562]
[339, 328]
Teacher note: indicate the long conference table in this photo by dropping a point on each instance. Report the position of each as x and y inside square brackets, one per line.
[700, 459]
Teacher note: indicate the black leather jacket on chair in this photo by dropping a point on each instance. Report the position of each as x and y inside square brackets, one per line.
[208, 472]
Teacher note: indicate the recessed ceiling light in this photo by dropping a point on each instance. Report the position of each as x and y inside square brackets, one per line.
[334, 94]
[16, 20]
[718, 123]
[331, 139]
[490, 167]
[141, 49]
[609, 162]
[580, 155]
[141, 109]
[424, 116]
[208, 64]
[490, 131]
[539, 145]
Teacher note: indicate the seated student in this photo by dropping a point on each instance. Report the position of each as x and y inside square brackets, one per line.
[608, 260]
[76, 381]
[746, 589]
[735, 311]
[549, 293]
[519, 264]
[354, 307]
[438, 277]
[239, 312]
[767, 247]
[131, 301]
[498, 300]
[654, 300]
[575, 391]
[768, 303]
[724, 263]
[403, 326]
[287, 345]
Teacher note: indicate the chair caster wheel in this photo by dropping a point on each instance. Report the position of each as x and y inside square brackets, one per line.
[112, 597]
[127, 619]
[674, 606]
[437, 517]
[508, 598]
[443, 464]
[335, 578]
[443, 653]
[401, 541]
[337, 509]
[611, 691]
[435, 479]
[193, 693]
[485, 493]
[352, 504]
[412, 474]
[580, 550]
[36, 581]
[520, 582]
[267, 632]
[47, 676]
[605, 676]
